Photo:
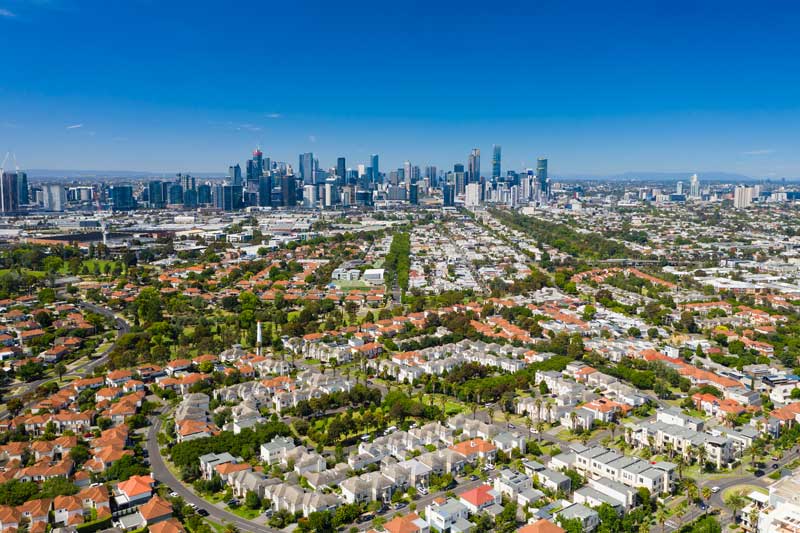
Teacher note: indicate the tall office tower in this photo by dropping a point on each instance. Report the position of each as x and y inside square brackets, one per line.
[204, 194]
[415, 173]
[54, 197]
[694, 186]
[235, 174]
[679, 187]
[395, 176]
[228, 197]
[155, 194]
[265, 190]
[460, 180]
[22, 188]
[541, 178]
[472, 197]
[306, 168]
[310, 196]
[448, 195]
[458, 167]
[258, 163]
[496, 152]
[175, 193]
[413, 193]
[9, 193]
[121, 197]
[376, 173]
[474, 166]
[187, 182]
[407, 172]
[742, 197]
[190, 198]
[341, 169]
[288, 190]
[430, 173]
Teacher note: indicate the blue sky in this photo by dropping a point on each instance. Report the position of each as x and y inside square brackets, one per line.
[598, 87]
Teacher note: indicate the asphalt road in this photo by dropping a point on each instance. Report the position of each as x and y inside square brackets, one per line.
[162, 474]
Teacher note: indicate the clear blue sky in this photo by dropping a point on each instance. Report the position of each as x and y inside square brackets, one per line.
[597, 86]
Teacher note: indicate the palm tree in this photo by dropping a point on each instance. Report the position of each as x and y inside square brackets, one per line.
[680, 510]
[706, 492]
[753, 516]
[661, 516]
[538, 404]
[701, 457]
[491, 414]
[681, 462]
[573, 417]
[735, 503]
[474, 407]
[692, 491]
[539, 429]
[670, 450]
[507, 416]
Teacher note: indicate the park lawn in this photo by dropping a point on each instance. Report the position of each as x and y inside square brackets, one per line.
[744, 488]
[244, 512]
[350, 284]
[35, 273]
[693, 472]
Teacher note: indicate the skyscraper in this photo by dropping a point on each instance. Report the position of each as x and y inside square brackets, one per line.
[121, 197]
[235, 174]
[306, 168]
[496, 161]
[694, 186]
[53, 197]
[187, 182]
[204, 194]
[22, 188]
[373, 162]
[430, 173]
[541, 177]
[341, 169]
[742, 197]
[288, 190]
[9, 193]
[155, 194]
[407, 172]
[265, 190]
[228, 197]
[474, 166]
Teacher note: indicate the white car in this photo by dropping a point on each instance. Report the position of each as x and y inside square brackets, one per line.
[173, 494]
[715, 489]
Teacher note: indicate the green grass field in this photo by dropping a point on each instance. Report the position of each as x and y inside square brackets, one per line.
[346, 285]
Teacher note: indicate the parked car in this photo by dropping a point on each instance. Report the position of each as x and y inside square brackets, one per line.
[173, 494]
[715, 489]
[202, 512]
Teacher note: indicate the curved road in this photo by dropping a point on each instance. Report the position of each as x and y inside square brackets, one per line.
[162, 474]
[88, 366]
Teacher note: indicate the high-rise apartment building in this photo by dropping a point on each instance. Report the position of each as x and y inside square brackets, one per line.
[306, 168]
[496, 153]
[474, 166]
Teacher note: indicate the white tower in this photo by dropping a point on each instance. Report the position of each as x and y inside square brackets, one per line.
[258, 338]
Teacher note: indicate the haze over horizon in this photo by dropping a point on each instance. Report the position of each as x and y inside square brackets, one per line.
[598, 89]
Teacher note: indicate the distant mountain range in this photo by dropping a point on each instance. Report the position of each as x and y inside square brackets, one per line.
[705, 176]
[42, 173]
[711, 175]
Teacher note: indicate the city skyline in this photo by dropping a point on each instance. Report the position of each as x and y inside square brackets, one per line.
[602, 91]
